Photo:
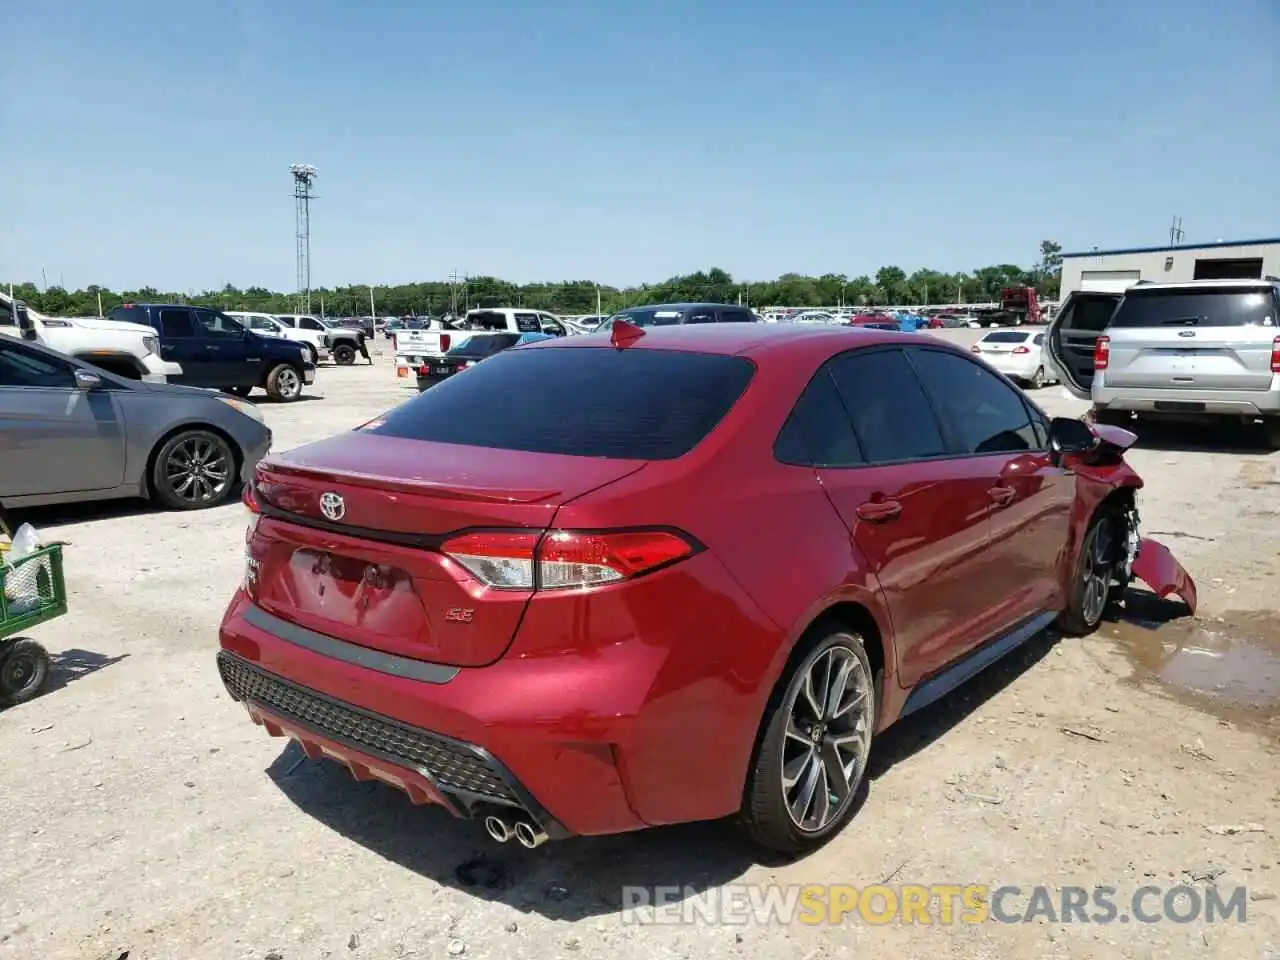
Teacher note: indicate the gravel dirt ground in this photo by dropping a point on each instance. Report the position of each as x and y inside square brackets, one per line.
[146, 817]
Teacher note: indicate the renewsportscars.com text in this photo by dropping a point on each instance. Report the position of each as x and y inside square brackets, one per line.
[943, 904]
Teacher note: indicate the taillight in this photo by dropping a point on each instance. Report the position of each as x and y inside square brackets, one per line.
[564, 559]
[445, 340]
[1275, 355]
[1021, 349]
[1102, 353]
[249, 497]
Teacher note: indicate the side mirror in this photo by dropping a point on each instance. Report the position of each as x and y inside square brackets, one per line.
[86, 380]
[1070, 436]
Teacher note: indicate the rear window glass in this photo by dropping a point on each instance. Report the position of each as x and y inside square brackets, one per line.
[486, 320]
[650, 317]
[1204, 308]
[485, 344]
[628, 404]
[1007, 337]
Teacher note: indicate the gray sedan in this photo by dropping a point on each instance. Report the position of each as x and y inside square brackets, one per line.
[70, 431]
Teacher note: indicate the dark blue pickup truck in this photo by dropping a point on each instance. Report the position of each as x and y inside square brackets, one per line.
[215, 350]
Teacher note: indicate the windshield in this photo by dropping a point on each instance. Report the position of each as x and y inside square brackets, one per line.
[1220, 307]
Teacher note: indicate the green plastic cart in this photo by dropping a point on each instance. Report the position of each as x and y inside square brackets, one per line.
[32, 591]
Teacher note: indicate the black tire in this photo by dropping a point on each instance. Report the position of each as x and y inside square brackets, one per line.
[24, 668]
[1271, 432]
[1037, 379]
[767, 810]
[1094, 572]
[240, 391]
[344, 354]
[284, 383]
[179, 485]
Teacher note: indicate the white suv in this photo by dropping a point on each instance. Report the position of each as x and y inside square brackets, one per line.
[1198, 349]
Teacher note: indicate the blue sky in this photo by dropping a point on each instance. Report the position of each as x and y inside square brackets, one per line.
[623, 141]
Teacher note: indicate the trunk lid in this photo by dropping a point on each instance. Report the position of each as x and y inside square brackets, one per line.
[369, 569]
[1072, 336]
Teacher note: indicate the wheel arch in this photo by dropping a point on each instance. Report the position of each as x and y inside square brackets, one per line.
[148, 480]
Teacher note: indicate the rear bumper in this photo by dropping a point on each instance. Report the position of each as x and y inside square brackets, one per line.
[1015, 368]
[639, 711]
[429, 767]
[431, 380]
[1240, 403]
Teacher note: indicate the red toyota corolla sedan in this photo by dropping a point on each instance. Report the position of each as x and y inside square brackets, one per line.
[608, 582]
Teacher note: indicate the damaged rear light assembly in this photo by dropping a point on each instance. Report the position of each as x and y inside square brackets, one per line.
[565, 559]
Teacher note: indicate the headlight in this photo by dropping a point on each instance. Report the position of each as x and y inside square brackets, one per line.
[152, 344]
[248, 409]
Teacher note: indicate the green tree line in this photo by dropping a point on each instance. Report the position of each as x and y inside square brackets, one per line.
[889, 285]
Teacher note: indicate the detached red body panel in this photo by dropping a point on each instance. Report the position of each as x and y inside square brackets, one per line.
[1156, 566]
[574, 594]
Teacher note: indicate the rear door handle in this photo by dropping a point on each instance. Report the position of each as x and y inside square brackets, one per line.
[1002, 496]
[878, 511]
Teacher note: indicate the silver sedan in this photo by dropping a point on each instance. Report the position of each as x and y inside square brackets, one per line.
[70, 431]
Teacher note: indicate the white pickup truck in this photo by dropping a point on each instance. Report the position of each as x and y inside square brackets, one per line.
[417, 348]
[125, 349]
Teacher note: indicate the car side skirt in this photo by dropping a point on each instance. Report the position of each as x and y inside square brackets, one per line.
[973, 663]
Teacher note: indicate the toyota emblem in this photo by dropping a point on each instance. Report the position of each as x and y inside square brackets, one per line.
[333, 506]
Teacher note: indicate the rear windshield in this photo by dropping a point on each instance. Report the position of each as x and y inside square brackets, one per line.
[1008, 337]
[1224, 307]
[485, 344]
[628, 404]
[650, 317]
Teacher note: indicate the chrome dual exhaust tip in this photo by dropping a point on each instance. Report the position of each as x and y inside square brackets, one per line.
[529, 835]
[498, 829]
[526, 833]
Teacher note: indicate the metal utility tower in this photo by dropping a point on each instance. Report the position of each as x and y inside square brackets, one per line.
[1175, 232]
[304, 177]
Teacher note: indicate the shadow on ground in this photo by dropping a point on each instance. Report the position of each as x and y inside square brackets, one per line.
[71, 665]
[1224, 437]
[579, 878]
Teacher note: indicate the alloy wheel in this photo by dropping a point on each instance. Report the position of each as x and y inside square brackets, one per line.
[1096, 571]
[828, 738]
[287, 382]
[198, 470]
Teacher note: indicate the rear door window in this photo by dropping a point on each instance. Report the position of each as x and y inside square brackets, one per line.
[891, 415]
[175, 324]
[487, 320]
[983, 413]
[525, 323]
[635, 404]
[701, 315]
[736, 316]
[1220, 307]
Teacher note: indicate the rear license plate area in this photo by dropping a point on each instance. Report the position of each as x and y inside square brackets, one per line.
[1179, 406]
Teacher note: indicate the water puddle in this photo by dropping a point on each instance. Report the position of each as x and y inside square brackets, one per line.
[1229, 667]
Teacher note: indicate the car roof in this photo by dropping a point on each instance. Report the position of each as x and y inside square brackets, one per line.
[1243, 284]
[673, 306]
[738, 339]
